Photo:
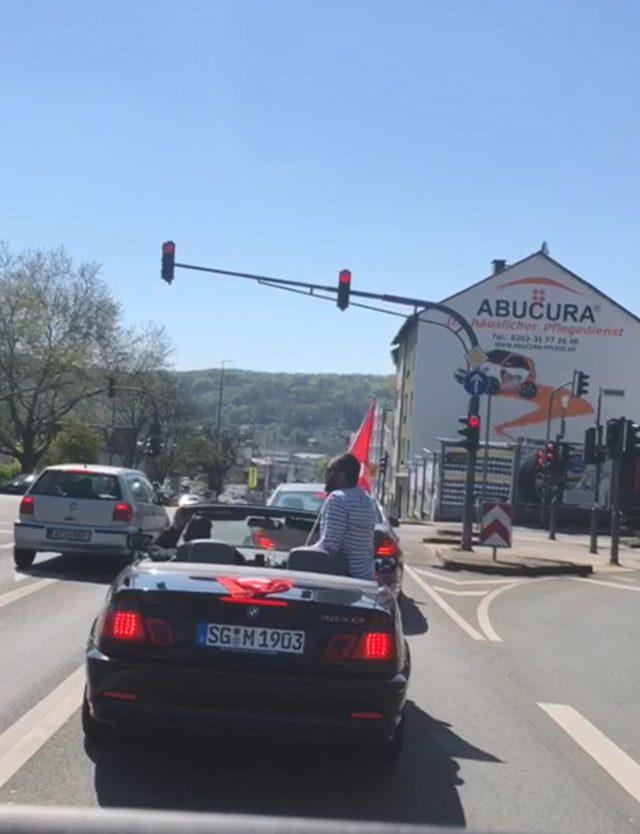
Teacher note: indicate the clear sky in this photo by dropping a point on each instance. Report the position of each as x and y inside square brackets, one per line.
[411, 141]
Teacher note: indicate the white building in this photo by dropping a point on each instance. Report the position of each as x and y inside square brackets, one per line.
[537, 323]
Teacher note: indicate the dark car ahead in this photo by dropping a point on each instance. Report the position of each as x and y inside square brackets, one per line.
[246, 630]
[17, 485]
[387, 551]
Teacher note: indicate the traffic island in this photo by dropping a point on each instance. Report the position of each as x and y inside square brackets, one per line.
[505, 564]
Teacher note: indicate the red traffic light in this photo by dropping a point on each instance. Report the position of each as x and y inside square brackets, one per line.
[344, 288]
[473, 422]
[168, 261]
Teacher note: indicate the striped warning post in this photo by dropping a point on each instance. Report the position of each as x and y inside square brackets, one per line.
[495, 529]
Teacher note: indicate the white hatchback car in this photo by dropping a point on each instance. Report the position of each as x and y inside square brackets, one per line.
[85, 508]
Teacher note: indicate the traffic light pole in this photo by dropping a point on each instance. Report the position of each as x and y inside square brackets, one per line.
[469, 486]
[555, 493]
[615, 512]
[593, 537]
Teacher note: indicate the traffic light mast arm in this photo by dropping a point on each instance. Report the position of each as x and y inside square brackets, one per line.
[282, 283]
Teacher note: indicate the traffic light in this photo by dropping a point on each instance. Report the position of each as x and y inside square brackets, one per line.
[590, 445]
[563, 459]
[551, 457]
[168, 260]
[539, 458]
[582, 384]
[384, 462]
[614, 437]
[344, 288]
[111, 387]
[470, 430]
[632, 439]
[154, 445]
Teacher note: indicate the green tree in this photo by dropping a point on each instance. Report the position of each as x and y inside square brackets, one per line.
[58, 323]
[75, 443]
[209, 454]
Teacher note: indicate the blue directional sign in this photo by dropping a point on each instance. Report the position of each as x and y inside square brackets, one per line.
[476, 383]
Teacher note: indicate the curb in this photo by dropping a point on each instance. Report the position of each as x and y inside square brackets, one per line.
[512, 568]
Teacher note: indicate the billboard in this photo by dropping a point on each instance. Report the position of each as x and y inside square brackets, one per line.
[537, 323]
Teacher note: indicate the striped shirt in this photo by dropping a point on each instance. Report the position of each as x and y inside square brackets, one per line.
[347, 525]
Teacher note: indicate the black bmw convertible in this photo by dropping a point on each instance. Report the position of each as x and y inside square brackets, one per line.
[242, 628]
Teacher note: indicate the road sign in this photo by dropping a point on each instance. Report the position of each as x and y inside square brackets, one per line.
[476, 383]
[476, 356]
[495, 528]
[252, 477]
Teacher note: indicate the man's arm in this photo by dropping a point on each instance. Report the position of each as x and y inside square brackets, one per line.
[334, 524]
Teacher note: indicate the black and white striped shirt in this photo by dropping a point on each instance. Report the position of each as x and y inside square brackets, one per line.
[347, 526]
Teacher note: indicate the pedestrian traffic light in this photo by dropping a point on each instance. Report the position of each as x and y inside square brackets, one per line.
[582, 384]
[614, 437]
[168, 260]
[539, 458]
[470, 430]
[344, 288]
[111, 387]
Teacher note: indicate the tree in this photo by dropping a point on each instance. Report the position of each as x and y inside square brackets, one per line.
[75, 443]
[58, 323]
[210, 454]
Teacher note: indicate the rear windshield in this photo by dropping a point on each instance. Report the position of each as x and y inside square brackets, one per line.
[78, 484]
[299, 500]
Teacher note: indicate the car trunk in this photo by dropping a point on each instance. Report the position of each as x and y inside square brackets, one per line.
[80, 497]
[284, 632]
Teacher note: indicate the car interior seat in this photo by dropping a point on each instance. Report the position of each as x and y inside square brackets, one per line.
[209, 551]
[198, 527]
[314, 561]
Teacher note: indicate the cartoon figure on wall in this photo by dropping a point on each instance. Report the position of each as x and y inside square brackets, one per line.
[514, 375]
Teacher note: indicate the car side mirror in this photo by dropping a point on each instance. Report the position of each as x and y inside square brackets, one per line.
[394, 521]
[139, 541]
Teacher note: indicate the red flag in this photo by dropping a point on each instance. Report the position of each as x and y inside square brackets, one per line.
[360, 446]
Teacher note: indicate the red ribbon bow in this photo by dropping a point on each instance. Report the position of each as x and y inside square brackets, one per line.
[250, 588]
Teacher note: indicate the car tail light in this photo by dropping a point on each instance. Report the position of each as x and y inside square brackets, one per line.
[385, 548]
[260, 540]
[124, 625]
[26, 505]
[373, 645]
[122, 696]
[122, 512]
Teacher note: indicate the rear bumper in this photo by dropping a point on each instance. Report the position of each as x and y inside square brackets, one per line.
[33, 536]
[247, 704]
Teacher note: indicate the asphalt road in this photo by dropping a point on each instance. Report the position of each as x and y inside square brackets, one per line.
[523, 712]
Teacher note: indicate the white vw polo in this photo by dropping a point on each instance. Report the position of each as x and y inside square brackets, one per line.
[85, 508]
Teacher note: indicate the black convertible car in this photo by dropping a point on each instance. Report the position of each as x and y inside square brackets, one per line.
[242, 628]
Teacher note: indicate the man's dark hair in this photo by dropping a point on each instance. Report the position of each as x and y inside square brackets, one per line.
[349, 465]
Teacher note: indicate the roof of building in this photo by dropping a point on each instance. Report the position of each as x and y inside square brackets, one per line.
[409, 321]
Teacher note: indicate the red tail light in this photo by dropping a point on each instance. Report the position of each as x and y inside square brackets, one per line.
[130, 627]
[124, 625]
[122, 512]
[386, 548]
[260, 540]
[26, 505]
[122, 696]
[374, 645]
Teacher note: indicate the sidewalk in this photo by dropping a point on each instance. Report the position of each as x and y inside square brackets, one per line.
[532, 553]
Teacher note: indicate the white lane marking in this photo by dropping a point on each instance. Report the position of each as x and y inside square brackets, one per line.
[464, 625]
[7, 544]
[24, 738]
[618, 764]
[483, 609]
[452, 592]
[19, 593]
[444, 578]
[20, 577]
[622, 578]
[586, 581]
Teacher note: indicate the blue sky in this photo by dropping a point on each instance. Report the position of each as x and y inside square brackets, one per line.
[410, 141]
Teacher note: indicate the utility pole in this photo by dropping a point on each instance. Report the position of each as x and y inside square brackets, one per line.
[616, 442]
[485, 461]
[593, 537]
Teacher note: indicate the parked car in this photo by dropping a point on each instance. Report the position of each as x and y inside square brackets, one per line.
[83, 508]
[18, 485]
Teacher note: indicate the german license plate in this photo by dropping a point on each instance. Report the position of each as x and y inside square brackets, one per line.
[60, 534]
[253, 639]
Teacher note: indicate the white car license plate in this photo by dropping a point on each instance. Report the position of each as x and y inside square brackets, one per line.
[254, 639]
[61, 534]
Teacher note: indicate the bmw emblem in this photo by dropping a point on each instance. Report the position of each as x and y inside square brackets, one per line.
[253, 612]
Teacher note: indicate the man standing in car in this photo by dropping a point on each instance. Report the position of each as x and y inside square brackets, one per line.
[347, 520]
